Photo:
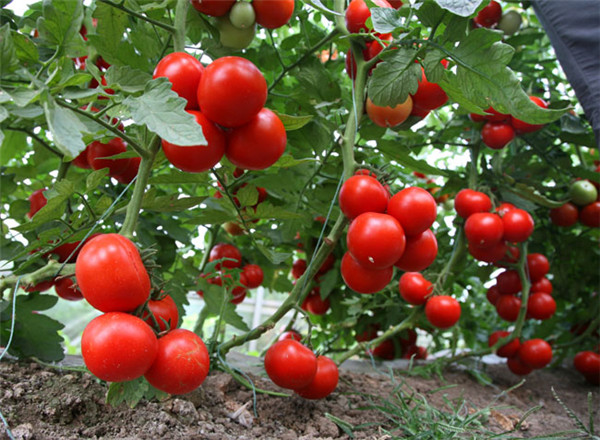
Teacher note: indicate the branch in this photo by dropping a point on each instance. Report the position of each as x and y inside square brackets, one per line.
[138, 15]
[51, 270]
[41, 141]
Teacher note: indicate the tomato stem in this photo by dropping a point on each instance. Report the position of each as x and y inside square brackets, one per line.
[525, 286]
[179, 32]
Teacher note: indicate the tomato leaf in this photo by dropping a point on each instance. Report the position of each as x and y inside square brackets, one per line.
[464, 8]
[171, 203]
[8, 55]
[66, 128]
[11, 144]
[386, 20]
[60, 22]
[126, 78]
[132, 391]
[177, 177]
[395, 78]
[293, 122]
[94, 179]
[25, 50]
[214, 298]
[273, 256]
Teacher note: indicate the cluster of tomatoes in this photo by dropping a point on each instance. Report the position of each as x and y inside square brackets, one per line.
[314, 303]
[583, 207]
[403, 345]
[491, 16]
[236, 283]
[292, 365]
[499, 128]
[122, 344]
[251, 136]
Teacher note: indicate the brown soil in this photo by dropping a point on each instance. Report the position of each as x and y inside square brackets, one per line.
[49, 403]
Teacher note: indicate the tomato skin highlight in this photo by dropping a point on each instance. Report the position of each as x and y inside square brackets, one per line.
[184, 72]
[324, 382]
[181, 363]
[117, 347]
[291, 365]
[111, 274]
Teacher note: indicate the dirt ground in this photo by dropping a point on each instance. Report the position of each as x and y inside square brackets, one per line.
[49, 403]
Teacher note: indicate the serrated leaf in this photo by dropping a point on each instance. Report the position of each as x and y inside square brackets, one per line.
[162, 111]
[75, 80]
[25, 49]
[127, 79]
[266, 210]
[386, 20]
[464, 8]
[395, 78]
[21, 97]
[131, 392]
[171, 203]
[13, 142]
[273, 256]
[60, 21]
[53, 209]
[293, 122]
[434, 69]
[94, 179]
[402, 155]
[8, 55]
[66, 129]
[287, 161]
[247, 195]
[214, 297]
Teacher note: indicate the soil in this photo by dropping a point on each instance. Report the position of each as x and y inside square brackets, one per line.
[39, 402]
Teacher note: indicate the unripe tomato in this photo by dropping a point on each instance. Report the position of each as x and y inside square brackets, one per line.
[497, 134]
[414, 208]
[524, 127]
[535, 353]
[37, 200]
[215, 8]
[488, 16]
[590, 215]
[507, 350]
[468, 201]
[429, 96]
[66, 289]
[583, 192]
[184, 72]
[360, 194]
[363, 280]
[242, 15]
[510, 22]
[414, 288]
[273, 14]
[289, 364]
[233, 37]
[259, 143]
[484, 229]
[565, 215]
[518, 225]
[358, 12]
[442, 311]
[225, 250]
[165, 312]
[420, 251]
[385, 116]
[99, 153]
[324, 382]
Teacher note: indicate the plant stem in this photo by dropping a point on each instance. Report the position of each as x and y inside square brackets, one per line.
[50, 270]
[458, 255]
[525, 286]
[42, 142]
[138, 15]
[180, 16]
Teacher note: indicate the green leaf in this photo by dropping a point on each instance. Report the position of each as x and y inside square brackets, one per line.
[66, 129]
[25, 49]
[61, 21]
[395, 78]
[127, 79]
[171, 203]
[176, 177]
[21, 97]
[287, 161]
[162, 111]
[267, 211]
[464, 8]
[214, 298]
[94, 179]
[53, 209]
[8, 55]
[132, 391]
[247, 195]
[273, 256]
[430, 14]
[386, 20]
[13, 143]
[402, 155]
[293, 122]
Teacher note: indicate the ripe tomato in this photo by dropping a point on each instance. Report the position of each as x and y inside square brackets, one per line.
[117, 347]
[541, 306]
[272, 14]
[429, 96]
[414, 208]
[497, 134]
[42, 286]
[590, 215]
[491, 254]
[507, 350]
[358, 12]
[198, 158]
[289, 364]
[130, 172]
[375, 240]
[508, 307]
[420, 251]
[414, 288]
[523, 127]
[314, 304]
[565, 215]
[396, 4]
[111, 274]
[360, 194]
[488, 16]
[66, 289]
[503, 208]
[493, 294]
[385, 350]
[81, 160]
[518, 225]
[37, 200]
[298, 268]
[225, 250]
[538, 266]
[368, 334]
[416, 352]
[184, 72]
[232, 91]
[98, 153]
[385, 116]
[327, 265]
[442, 311]
[233, 228]
[254, 275]
[583, 192]
[290, 334]
[165, 312]
[468, 201]
[509, 282]
[215, 8]
[542, 285]
[535, 353]
[516, 366]
[181, 363]
[324, 382]
[484, 229]
[364, 280]
[259, 143]
[588, 364]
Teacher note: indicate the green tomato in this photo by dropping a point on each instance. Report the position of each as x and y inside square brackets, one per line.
[583, 192]
[510, 22]
[242, 15]
[232, 37]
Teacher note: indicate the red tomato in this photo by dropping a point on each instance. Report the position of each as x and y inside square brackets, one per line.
[535, 353]
[419, 112]
[237, 291]
[429, 96]
[298, 268]
[541, 306]
[37, 200]
[396, 4]
[538, 266]
[516, 366]
[117, 347]
[468, 202]
[364, 280]
[523, 127]
[68, 252]
[414, 208]
[184, 72]
[232, 91]
[385, 350]
[442, 311]
[66, 289]
[509, 282]
[111, 274]
[254, 275]
[225, 250]
[495, 116]
[259, 143]
[314, 304]
[130, 172]
[358, 12]
[493, 294]
[508, 307]
[420, 251]
[272, 14]
[414, 288]
[42, 286]
[324, 382]
[407, 338]
[565, 215]
[327, 264]
[375, 240]
[385, 116]
[503, 208]
[290, 334]
[81, 160]
[484, 229]
[497, 134]
[98, 152]
[181, 363]
[588, 364]
[542, 285]
[215, 8]
[416, 352]
[368, 334]
[165, 312]
[198, 158]
[360, 194]
[590, 215]
[491, 254]
[289, 364]
[489, 16]
[507, 350]
[476, 117]
[518, 225]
